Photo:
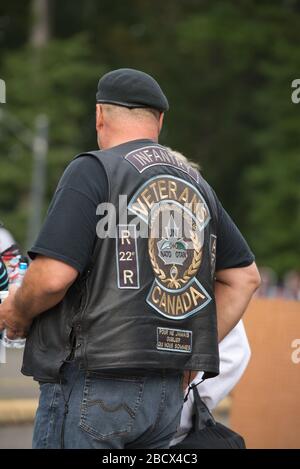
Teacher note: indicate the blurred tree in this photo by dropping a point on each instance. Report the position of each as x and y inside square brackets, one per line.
[40, 30]
[226, 68]
[274, 184]
[66, 95]
[14, 24]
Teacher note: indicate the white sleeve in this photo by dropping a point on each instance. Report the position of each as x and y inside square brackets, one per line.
[234, 357]
[235, 354]
[6, 239]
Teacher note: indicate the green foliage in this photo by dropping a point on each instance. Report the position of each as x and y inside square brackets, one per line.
[226, 68]
[274, 183]
[59, 82]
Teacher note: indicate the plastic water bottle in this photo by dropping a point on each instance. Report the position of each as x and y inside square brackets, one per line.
[23, 266]
[16, 343]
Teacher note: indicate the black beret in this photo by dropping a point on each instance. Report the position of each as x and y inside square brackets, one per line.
[131, 88]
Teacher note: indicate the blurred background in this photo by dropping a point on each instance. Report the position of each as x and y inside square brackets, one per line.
[227, 68]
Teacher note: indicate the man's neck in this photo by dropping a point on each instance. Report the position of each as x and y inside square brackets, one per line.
[119, 139]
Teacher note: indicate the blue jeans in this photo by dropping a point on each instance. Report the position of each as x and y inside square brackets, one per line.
[109, 411]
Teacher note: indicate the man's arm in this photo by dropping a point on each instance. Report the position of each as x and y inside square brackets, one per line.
[233, 291]
[45, 285]
[64, 246]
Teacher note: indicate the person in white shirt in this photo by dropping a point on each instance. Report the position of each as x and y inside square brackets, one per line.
[6, 239]
[235, 354]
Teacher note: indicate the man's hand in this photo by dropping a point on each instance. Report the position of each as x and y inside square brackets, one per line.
[16, 324]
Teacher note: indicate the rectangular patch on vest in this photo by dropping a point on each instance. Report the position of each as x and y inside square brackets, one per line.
[174, 340]
[127, 257]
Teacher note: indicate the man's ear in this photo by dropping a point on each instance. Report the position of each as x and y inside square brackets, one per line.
[99, 116]
[161, 121]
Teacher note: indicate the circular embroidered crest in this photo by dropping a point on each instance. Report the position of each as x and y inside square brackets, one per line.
[175, 244]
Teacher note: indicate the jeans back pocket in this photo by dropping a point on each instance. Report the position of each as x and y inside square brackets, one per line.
[110, 403]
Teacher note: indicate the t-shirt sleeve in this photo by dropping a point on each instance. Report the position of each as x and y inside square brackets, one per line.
[232, 248]
[69, 230]
[3, 276]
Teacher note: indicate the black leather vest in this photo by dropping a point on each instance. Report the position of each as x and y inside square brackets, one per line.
[147, 299]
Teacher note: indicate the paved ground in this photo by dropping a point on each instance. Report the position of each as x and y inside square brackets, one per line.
[16, 436]
[13, 385]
